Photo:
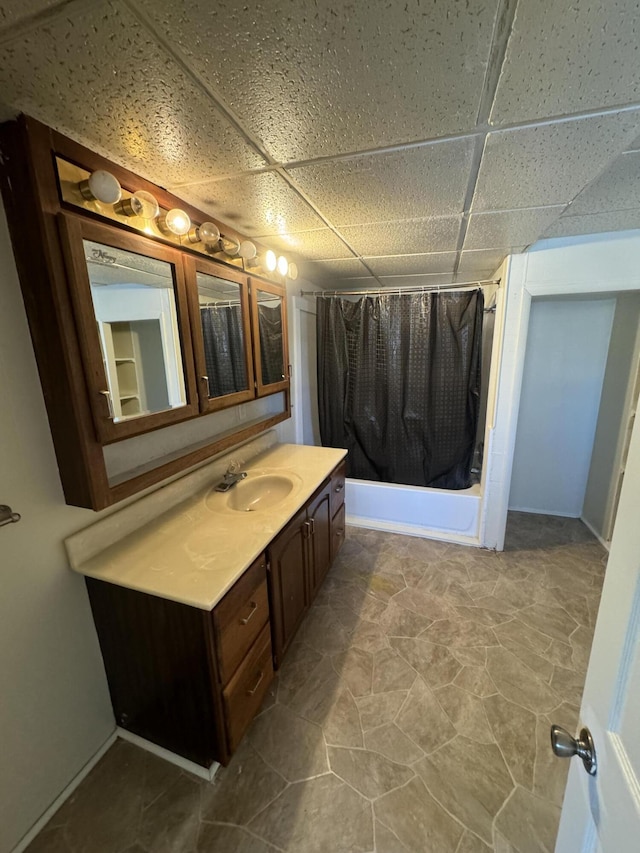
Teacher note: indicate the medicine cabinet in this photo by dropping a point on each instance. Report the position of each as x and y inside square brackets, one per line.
[132, 333]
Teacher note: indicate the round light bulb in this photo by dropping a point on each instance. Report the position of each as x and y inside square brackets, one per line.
[207, 233]
[270, 260]
[247, 250]
[175, 221]
[101, 186]
[141, 204]
[230, 246]
[293, 271]
[283, 265]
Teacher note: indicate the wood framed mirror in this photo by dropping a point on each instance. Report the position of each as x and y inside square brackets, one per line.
[130, 305]
[269, 321]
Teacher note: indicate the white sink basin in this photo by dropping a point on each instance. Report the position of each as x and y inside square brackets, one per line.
[257, 493]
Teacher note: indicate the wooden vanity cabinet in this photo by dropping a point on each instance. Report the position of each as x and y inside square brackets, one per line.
[186, 679]
[298, 560]
[338, 484]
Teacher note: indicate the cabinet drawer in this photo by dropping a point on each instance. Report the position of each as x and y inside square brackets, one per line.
[337, 531]
[337, 487]
[243, 695]
[240, 616]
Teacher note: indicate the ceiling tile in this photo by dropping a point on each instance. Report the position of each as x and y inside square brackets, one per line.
[13, 12]
[360, 283]
[312, 77]
[435, 262]
[509, 227]
[315, 245]
[428, 280]
[261, 203]
[483, 262]
[346, 268]
[415, 236]
[566, 57]
[549, 163]
[617, 220]
[98, 77]
[423, 181]
[617, 189]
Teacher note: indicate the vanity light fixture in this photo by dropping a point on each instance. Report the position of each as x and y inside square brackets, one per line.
[293, 271]
[175, 221]
[283, 265]
[229, 245]
[270, 260]
[207, 233]
[101, 186]
[247, 250]
[141, 203]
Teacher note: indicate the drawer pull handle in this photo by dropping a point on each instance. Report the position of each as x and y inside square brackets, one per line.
[260, 677]
[254, 607]
[312, 522]
[339, 487]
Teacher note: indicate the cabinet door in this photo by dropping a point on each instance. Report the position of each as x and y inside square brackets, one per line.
[337, 532]
[131, 311]
[219, 313]
[319, 517]
[288, 585]
[270, 343]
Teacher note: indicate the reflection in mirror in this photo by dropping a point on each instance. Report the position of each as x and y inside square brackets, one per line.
[135, 307]
[223, 335]
[271, 344]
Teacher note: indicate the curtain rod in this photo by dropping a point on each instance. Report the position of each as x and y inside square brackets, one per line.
[425, 288]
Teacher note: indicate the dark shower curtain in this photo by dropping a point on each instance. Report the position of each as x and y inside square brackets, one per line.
[224, 349]
[399, 385]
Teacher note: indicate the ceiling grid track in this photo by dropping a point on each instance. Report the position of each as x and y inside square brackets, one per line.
[505, 17]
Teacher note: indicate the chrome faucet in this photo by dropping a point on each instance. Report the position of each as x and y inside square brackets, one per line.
[232, 476]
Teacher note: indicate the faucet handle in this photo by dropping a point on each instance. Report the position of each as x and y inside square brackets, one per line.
[234, 466]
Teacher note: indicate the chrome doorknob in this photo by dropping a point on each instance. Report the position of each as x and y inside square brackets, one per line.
[565, 745]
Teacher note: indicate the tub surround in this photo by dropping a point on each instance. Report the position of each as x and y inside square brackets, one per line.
[177, 544]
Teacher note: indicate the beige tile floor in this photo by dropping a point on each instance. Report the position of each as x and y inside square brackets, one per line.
[411, 715]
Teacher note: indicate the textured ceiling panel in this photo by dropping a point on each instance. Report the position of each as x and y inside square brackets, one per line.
[418, 182]
[347, 268]
[317, 78]
[262, 203]
[549, 164]
[483, 262]
[509, 227]
[98, 77]
[437, 262]
[617, 189]
[13, 12]
[315, 245]
[361, 283]
[617, 220]
[568, 57]
[428, 280]
[416, 236]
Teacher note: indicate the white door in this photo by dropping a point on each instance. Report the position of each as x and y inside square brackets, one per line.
[601, 813]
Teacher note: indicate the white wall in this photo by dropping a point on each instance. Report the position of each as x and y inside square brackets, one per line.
[564, 367]
[602, 263]
[613, 418]
[55, 711]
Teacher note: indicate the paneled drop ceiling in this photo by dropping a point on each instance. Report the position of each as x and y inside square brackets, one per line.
[393, 143]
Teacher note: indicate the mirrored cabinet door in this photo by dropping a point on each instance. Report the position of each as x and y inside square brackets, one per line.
[130, 303]
[219, 309]
[269, 317]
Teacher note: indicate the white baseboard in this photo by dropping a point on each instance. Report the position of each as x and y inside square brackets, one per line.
[544, 512]
[44, 819]
[412, 530]
[606, 545]
[206, 773]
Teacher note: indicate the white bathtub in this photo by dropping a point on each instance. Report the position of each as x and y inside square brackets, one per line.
[452, 516]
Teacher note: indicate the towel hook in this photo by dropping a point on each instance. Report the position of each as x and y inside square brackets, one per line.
[7, 515]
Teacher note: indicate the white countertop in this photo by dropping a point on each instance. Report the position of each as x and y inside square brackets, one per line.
[195, 552]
